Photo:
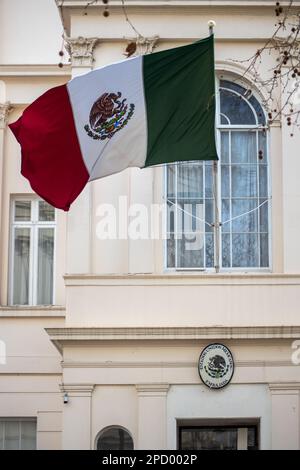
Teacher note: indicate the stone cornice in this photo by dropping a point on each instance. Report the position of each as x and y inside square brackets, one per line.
[5, 109]
[61, 336]
[81, 50]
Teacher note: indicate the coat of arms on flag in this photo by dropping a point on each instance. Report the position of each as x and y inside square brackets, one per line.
[108, 115]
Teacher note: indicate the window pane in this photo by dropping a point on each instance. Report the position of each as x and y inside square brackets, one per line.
[46, 212]
[209, 439]
[209, 250]
[11, 435]
[21, 266]
[264, 250]
[209, 215]
[245, 250]
[224, 147]
[28, 435]
[115, 439]
[171, 216]
[235, 108]
[225, 181]
[208, 180]
[22, 211]
[262, 147]
[243, 147]
[171, 251]
[259, 111]
[190, 250]
[190, 216]
[45, 266]
[190, 180]
[225, 215]
[263, 216]
[248, 222]
[224, 120]
[171, 181]
[226, 251]
[233, 86]
[244, 181]
[1, 435]
[263, 181]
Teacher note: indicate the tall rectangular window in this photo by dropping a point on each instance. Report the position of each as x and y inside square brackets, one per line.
[32, 257]
[17, 434]
[222, 220]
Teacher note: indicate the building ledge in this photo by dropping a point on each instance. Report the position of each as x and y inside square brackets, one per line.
[32, 311]
[182, 278]
[61, 336]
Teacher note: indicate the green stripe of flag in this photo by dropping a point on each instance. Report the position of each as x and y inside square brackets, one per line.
[180, 103]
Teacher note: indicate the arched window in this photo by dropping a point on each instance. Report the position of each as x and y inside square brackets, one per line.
[114, 438]
[242, 189]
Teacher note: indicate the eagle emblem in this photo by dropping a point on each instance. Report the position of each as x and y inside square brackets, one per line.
[108, 115]
[217, 367]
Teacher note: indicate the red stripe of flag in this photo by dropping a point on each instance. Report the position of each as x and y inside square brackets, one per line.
[51, 155]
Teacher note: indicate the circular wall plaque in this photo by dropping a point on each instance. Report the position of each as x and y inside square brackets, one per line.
[216, 365]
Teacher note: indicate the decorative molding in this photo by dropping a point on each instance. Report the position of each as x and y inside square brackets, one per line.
[144, 45]
[5, 109]
[77, 390]
[164, 365]
[81, 50]
[59, 336]
[285, 388]
[152, 390]
[274, 124]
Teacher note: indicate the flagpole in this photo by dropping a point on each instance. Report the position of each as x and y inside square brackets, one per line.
[211, 25]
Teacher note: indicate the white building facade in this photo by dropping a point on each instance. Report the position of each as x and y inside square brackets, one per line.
[100, 338]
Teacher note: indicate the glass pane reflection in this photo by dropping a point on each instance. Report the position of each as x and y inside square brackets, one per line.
[115, 438]
[209, 439]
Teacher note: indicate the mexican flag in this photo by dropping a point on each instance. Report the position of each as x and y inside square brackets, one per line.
[139, 112]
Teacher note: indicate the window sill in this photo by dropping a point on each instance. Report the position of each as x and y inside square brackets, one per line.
[55, 311]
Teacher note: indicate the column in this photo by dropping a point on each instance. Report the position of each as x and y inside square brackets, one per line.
[79, 243]
[5, 109]
[276, 203]
[285, 400]
[77, 414]
[152, 416]
[290, 180]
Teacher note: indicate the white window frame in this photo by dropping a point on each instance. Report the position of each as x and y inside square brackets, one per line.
[219, 128]
[34, 225]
